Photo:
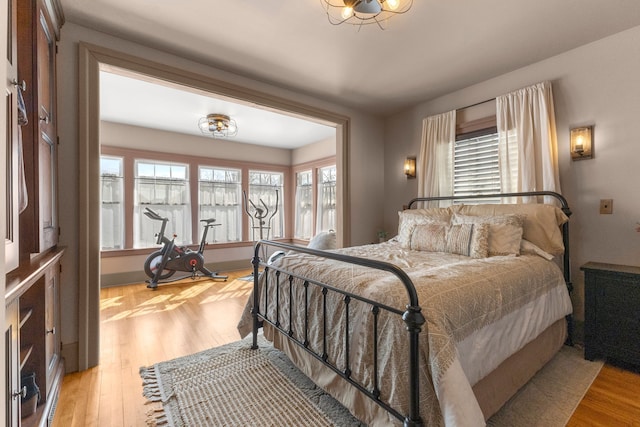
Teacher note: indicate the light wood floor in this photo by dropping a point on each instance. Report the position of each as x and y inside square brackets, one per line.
[140, 327]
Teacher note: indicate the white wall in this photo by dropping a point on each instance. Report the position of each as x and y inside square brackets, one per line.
[315, 151]
[595, 84]
[140, 138]
[366, 147]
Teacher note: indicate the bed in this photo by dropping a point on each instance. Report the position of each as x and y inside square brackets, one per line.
[441, 325]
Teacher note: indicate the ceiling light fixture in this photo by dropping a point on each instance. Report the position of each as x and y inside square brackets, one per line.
[218, 126]
[364, 12]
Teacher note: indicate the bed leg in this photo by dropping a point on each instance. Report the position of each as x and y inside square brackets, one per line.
[569, 340]
[414, 320]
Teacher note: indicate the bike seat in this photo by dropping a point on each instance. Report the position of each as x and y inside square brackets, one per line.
[209, 221]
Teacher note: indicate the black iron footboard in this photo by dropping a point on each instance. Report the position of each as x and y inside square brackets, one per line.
[284, 282]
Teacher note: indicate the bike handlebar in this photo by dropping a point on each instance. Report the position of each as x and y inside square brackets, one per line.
[154, 215]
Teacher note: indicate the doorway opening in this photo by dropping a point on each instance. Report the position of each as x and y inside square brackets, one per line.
[94, 58]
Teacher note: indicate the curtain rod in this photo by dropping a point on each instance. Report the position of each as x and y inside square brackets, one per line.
[478, 103]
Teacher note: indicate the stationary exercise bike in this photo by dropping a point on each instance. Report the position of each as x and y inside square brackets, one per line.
[162, 264]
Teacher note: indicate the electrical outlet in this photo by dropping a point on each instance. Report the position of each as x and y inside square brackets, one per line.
[606, 206]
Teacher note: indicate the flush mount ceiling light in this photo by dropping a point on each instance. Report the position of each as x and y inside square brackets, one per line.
[364, 12]
[218, 126]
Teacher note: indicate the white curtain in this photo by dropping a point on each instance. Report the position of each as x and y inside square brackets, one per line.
[326, 215]
[528, 152]
[304, 211]
[435, 163]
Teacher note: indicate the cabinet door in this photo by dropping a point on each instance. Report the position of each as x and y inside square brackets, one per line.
[45, 63]
[36, 57]
[618, 317]
[10, 147]
[52, 346]
[12, 364]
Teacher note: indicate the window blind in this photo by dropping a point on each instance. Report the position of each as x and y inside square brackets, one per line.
[475, 166]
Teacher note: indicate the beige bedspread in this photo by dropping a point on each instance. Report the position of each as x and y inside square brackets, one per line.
[459, 297]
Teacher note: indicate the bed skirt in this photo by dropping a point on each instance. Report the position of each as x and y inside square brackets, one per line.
[492, 392]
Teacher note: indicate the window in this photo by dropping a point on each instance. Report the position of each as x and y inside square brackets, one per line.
[163, 187]
[186, 189]
[263, 187]
[326, 219]
[475, 165]
[112, 197]
[315, 199]
[304, 205]
[220, 198]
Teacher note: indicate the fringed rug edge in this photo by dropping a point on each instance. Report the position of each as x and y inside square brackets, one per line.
[153, 391]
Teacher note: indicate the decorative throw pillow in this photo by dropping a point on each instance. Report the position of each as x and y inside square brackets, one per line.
[324, 240]
[505, 231]
[463, 239]
[429, 238]
[408, 219]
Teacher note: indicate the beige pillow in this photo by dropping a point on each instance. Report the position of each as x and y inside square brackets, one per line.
[463, 239]
[505, 231]
[541, 225]
[408, 219]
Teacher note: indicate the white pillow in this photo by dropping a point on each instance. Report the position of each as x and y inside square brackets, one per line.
[324, 240]
[505, 231]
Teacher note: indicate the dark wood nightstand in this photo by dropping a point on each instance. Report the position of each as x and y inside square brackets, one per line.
[612, 312]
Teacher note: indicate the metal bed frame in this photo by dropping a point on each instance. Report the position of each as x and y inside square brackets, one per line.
[412, 316]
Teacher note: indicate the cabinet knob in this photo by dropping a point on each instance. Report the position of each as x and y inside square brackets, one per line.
[21, 393]
[45, 119]
[51, 331]
[22, 85]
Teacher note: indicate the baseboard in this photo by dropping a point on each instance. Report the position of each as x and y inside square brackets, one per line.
[131, 277]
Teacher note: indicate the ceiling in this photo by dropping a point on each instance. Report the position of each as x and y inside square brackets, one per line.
[439, 46]
[141, 101]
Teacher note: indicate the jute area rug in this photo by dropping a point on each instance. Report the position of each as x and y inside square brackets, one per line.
[233, 385]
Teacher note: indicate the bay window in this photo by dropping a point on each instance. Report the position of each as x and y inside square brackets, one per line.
[186, 189]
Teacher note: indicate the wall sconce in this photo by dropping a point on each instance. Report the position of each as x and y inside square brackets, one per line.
[410, 167]
[582, 143]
